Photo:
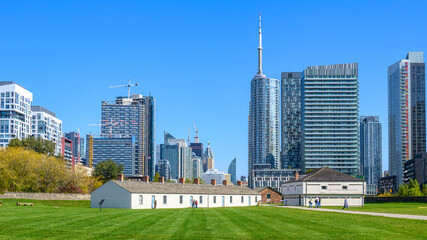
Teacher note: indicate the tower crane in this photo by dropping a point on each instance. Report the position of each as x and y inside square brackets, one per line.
[129, 85]
[111, 124]
[196, 138]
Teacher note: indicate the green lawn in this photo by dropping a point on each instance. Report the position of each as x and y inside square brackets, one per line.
[393, 207]
[75, 220]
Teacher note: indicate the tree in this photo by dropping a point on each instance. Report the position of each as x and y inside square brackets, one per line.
[37, 144]
[107, 170]
[425, 190]
[410, 190]
[403, 190]
[156, 177]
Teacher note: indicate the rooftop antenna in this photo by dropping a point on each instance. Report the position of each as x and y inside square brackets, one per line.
[127, 85]
[260, 47]
[196, 138]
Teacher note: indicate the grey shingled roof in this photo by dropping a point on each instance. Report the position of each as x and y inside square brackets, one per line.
[188, 188]
[327, 174]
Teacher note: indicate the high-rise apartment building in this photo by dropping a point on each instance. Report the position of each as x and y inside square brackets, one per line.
[179, 156]
[197, 166]
[232, 171]
[67, 152]
[197, 148]
[15, 112]
[370, 149]
[164, 169]
[47, 126]
[134, 116]
[291, 155]
[78, 145]
[264, 119]
[330, 117]
[406, 112]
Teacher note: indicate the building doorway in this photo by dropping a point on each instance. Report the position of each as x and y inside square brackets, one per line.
[223, 201]
[153, 202]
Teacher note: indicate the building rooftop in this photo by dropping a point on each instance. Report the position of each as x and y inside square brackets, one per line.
[42, 109]
[178, 188]
[2, 83]
[327, 174]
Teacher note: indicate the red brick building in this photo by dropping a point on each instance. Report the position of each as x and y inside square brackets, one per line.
[269, 195]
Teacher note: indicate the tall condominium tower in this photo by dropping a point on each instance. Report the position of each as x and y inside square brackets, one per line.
[330, 117]
[47, 126]
[291, 156]
[134, 116]
[370, 149]
[78, 145]
[406, 111]
[15, 112]
[232, 171]
[179, 156]
[264, 119]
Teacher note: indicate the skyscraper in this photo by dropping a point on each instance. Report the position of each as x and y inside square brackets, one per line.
[15, 112]
[209, 157]
[78, 145]
[406, 111]
[47, 126]
[134, 116]
[264, 120]
[179, 156]
[330, 117]
[291, 155]
[370, 149]
[232, 171]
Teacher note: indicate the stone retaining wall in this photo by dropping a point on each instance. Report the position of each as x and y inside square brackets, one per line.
[394, 199]
[46, 196]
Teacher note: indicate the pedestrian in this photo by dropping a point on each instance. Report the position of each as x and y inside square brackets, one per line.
[320, 200]
[316, 202]
[192, 204]
[310, 204]
[155, 204]
[197, 203]
[345, 203]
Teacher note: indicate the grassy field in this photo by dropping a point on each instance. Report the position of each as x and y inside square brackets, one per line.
[393, 207]
[75, 220]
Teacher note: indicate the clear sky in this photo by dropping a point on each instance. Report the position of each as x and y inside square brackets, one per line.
[197, 58]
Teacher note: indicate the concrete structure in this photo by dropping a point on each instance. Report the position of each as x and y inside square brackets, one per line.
[270, 195]
[291, 155]
[370, 149]
[406, 112]
[46, 126]
[330, 117]
[388, 184]
[144, 195]
[213, 174]
[264, 119]
[129, 117]
[232, 171]
[78, 145]
[329, 185]
[15, 112]
[416, 168]
[120, 150]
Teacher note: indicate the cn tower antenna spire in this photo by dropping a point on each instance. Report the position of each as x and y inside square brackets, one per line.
[260, 47]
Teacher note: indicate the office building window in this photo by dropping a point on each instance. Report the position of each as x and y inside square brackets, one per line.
[165, 199]
[181, 199]
[140, 200]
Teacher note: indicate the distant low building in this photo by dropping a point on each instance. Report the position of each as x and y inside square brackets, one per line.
[269, 195]
[416, 168]
[387, 184]
[328, 184]
[213, 174]
[264, 176]
[149, 195]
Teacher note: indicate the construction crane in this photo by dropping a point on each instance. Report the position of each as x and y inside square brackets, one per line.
[127, 85]
[196, 138]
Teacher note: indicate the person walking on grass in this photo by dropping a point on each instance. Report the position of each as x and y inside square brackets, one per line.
[197, 204]
[316, 202]
[320, 205]
[310, 204]
[345, 203]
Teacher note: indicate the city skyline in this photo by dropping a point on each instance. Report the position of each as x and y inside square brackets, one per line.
[57, 63]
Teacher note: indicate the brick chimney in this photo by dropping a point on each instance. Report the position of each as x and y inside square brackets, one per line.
[296, 175]
[162, 179]
[146, 179]
[197, 181]
[181, 180]
[224, 182]
[120, 177]
[213, 182]
[239, 183]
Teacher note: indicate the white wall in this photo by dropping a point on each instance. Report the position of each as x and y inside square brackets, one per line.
[114, 195]
[173, 200]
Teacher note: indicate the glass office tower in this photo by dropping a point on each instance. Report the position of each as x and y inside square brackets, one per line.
[370, 149]
[291, 155]
[135, 116]
[406, 111]
[232, 171]
[330, 117]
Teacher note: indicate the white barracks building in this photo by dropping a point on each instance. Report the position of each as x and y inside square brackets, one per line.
[148, 195]
[329, 185]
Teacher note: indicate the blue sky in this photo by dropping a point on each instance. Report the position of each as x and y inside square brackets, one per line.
[197, 58]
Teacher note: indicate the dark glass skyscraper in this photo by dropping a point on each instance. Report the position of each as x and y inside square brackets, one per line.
[232, 171]
[406, 111]
[330, 117]
[134, 116]
[291, 120]
[370, 149]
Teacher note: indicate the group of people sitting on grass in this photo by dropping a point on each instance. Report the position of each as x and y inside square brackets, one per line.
[317, 202]
[194, 204]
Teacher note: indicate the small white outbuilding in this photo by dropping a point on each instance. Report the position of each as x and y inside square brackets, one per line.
[147, 195]
[331, 186]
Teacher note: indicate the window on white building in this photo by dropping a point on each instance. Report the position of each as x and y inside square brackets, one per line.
[165, 199]
[201, 200]
[231, 199]
[256, 199]
[242, 199]
[181, 199]
[324, 187]
[140, 200]
[344, 187]
[214, 200]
